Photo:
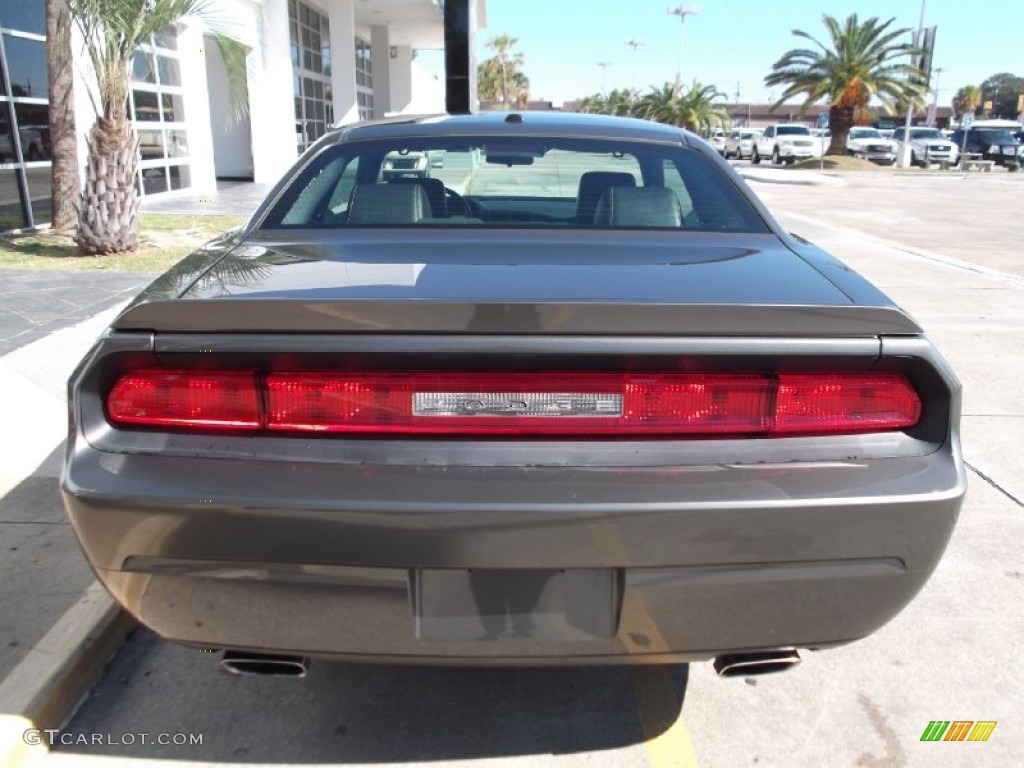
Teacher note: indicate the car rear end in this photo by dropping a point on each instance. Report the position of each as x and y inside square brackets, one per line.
[503, 446]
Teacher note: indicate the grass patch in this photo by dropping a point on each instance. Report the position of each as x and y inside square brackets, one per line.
[837, 163]
[163, 241]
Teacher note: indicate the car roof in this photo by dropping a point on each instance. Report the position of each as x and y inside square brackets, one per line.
[524, 123]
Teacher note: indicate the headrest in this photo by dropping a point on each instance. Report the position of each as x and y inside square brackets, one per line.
[434, 189]
[593, 184]
[639, 207]
[388, 204]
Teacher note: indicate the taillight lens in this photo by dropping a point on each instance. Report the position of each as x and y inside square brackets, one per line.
[518, 403]
[540, 403]
[198, 399]
[844, 403]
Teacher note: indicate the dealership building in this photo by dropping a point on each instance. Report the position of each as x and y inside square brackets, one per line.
[310, 64]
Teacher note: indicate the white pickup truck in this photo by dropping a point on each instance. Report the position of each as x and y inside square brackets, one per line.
[784, 142]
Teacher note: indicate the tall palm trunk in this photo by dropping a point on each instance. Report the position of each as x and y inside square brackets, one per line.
[64, 178]
[840, 120]
[108, 219]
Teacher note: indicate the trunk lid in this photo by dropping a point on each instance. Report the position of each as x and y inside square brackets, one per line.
[512, 282]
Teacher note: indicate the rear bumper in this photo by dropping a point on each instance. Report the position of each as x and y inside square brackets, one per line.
[331, 560]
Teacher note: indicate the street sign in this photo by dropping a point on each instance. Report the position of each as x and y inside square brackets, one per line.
[967, 120]
[823, 120]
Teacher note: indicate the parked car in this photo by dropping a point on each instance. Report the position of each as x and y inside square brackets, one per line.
[717, 140]
[784, 143]
[823, 140]
[405, 163]
[869, 144]
[34, 143]
[927, 145]
[995, 144]
[506, 425]
[740, 143]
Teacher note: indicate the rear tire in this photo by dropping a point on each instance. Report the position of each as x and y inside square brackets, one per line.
[755, 158]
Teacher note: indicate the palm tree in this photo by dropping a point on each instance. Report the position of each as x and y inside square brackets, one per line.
[111, 31]
[616, 102]
[967, 100]
[64, 179]
[861, 61]
[508, 65]
[488, 80]
[695, 109]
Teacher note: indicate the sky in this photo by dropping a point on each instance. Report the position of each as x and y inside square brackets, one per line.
[730, 44]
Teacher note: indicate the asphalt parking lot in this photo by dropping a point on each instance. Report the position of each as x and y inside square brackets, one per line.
[947, 248]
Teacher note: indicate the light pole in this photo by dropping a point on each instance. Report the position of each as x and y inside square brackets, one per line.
[905, 154]
[933, 110]
[635, 43]
[682, 11]
[604, 71]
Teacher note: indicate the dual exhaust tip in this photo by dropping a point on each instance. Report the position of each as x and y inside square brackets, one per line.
[759, 663]
[728, 665]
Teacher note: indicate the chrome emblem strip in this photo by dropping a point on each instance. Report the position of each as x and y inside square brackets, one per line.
[516, 404]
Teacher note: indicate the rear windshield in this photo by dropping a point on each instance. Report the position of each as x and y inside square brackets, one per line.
[513, 182]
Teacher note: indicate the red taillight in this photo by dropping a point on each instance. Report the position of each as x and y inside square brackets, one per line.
[844, 403]
[518, 403]
[202, 399]
[541, 403]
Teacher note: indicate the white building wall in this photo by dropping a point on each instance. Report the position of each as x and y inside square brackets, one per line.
[231, 131]
[197, 109]
[400, 80]
[271, 109]
[343, 57]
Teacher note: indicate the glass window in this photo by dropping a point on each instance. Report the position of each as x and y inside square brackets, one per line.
[176, 143]
[23, 16]
[34, 129]
[312, 70]
[151, 145]
[26, 66]
[181, 176]
[11, 216]
[520, 182]
[154, 180]
[142, 67]
[174, 108]
[170, 72]
[40, 192]
[146, 106]
[6, 143]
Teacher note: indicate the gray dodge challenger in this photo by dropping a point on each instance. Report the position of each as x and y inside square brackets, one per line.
[569, 395]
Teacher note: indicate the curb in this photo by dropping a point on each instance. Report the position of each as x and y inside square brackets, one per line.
[814, 179]
[48, 685]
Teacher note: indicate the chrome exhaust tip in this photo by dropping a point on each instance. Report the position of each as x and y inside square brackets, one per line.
[241, 663]
[760, 663]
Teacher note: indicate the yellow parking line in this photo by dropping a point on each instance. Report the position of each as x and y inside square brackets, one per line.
[666, 739]
[17, 750]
